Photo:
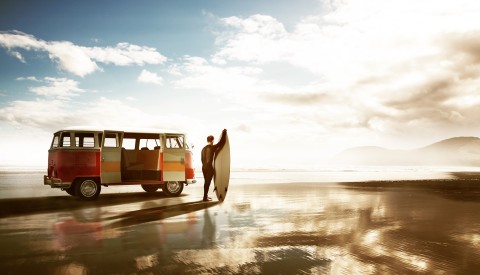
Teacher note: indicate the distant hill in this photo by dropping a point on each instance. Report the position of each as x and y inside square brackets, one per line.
[457, 151]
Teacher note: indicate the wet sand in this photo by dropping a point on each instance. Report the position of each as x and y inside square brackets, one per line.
[383, 227]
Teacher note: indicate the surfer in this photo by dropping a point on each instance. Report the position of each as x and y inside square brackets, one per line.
[208, 154]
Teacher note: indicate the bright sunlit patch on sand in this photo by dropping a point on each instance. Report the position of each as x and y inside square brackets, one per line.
[370, 237]
[211, 259]
[348, 264]
[71, 269]
[417, 262]
[342, 226]
[472, 239]
[144, 262]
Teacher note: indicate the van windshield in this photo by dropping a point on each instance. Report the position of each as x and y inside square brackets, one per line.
[174, 141]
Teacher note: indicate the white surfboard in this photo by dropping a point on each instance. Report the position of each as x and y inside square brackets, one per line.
[222, 170]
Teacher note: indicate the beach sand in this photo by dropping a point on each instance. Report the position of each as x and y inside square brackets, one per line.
[396, 227]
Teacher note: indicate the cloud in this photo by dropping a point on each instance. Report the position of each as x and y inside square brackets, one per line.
[51, 114]
[60, 88]
[386, 66]
[17, 55]
[199, 74]
[80, 60]
[149, 77]
[40, 113]
[29, 78]
[297, 98]
[242, 43]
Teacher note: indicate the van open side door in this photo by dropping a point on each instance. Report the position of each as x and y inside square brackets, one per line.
[174, 158]
[111, 156]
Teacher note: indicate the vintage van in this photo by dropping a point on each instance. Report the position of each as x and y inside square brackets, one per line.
[81, 160]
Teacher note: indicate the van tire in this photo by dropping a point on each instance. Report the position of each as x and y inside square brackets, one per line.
[87, 189]
[173, 188]
[150, 188]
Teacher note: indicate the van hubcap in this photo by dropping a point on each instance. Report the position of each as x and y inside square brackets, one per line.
[173, 186]
[88, 188]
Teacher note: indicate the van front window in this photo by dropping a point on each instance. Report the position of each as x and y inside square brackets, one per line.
[55, 141]
[174, 142]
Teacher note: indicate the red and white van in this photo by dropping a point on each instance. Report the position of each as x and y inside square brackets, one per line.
[81, 160]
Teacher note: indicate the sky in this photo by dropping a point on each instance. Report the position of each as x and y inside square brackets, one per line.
[293, 82]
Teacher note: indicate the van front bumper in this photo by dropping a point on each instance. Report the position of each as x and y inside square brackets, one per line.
[191, 181]
[55, 182]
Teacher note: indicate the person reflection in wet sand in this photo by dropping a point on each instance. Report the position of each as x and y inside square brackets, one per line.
[208, 233]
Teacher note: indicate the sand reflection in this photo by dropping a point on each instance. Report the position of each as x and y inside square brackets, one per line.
[260, 229]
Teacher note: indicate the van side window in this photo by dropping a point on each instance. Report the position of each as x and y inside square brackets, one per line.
[174, 142]
[149, 144]
[110, 140]
[129, 143]
[65, 139]
[85, 140]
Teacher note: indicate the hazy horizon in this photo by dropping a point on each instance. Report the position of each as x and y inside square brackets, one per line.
[294, 83]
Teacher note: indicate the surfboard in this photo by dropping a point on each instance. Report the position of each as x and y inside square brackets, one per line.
[221, 177]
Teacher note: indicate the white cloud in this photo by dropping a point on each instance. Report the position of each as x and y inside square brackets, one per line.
[53, 114]
[257, 38]
[149, 77]
[126, 54]
[234, 81]
[17, 55]
[385, 66]
[71, 58]
[30, 78]
[40, 113]
[81, 60]
[61, 88]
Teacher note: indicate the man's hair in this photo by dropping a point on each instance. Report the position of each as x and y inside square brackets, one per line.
[209, 138]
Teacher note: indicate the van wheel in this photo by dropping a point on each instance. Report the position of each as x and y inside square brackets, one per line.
[173, 188]
[87, 189]
[150, 188]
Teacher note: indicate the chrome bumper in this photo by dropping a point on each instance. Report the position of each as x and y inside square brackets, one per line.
[191, 181]
[55, 182]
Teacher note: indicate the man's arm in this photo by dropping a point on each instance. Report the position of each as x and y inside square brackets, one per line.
[222, 141]
[203, 156]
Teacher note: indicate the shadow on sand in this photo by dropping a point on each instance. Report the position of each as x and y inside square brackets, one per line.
[158, 213]
[26, 206]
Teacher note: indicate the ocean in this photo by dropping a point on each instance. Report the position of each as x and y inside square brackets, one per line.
[27, 181]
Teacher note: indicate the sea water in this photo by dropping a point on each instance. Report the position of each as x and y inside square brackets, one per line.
[27, 181]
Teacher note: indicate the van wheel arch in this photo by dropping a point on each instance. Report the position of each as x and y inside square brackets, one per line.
[71, 190]
[150, 188]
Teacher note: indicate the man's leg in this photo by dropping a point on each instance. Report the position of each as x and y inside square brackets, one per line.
[208, 175]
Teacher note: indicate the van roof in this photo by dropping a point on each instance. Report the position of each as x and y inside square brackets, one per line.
[126, 130]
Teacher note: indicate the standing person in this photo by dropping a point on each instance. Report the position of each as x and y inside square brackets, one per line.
[208, 155]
